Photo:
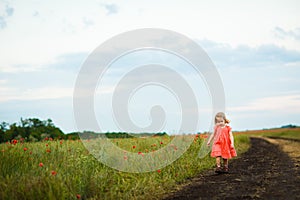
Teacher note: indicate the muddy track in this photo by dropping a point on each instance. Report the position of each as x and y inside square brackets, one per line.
[263, 172]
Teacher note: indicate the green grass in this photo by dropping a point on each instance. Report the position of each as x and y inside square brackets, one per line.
[241, 143]
[291, 133]
[79, 173]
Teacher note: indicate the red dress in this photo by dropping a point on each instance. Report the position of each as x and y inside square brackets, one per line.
[222, 143]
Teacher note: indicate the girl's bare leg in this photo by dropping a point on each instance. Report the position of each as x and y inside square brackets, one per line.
[225, 162]
[218, 161]
[225, 169]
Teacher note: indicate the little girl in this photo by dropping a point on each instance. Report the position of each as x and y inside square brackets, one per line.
[223, 145]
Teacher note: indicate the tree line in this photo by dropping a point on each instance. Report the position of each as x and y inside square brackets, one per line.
[31, 129]
[34, 129]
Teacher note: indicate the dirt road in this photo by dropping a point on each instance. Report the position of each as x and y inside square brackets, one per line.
[263, 172]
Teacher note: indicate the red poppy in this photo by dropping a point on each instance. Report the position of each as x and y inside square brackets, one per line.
[158, 171]
[78, 196]
[47, 145]
[161, 142]
[14, 142]
[60, 142]
[41, 164]
[133, 146]
[30, 152]
[46, 138]
[25, 149]
[204, 136]
[125, 157]
[53, 172]
[48, 150]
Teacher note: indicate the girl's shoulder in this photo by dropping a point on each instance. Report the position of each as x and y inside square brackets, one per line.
[228, 127]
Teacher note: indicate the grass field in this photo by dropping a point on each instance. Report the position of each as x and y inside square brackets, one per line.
[291, 133]
[64, 169]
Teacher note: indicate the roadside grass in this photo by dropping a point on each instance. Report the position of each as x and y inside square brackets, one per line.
[289, 133]
[64, 169]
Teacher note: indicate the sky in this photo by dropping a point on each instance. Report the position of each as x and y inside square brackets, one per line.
[255, 46]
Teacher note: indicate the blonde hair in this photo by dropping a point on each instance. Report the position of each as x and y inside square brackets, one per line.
[221, 115]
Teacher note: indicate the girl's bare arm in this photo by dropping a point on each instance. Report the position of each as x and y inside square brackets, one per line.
[231, 138]
[211, 137]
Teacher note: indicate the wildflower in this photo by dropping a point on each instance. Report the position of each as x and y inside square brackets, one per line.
[25, 149]
[46, 138]
[51, 139]
[48, 150]
[14, 142]
[158, 171]
[47, 145]
[78, 196]
[60, 142]
[30, 152]
[41, 164]
[203, 136]
[140, 153]
[133, 146]
[53, 173]
[161, 142]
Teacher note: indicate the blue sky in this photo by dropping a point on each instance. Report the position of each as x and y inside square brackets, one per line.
[255, 46]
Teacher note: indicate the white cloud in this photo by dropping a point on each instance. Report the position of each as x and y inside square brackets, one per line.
[88, 21]
[10, 94]
[111, 8]
[247, 56]
[62, 28]
[6, 11]
[281, 104]
[9, 10]
[281, 33]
